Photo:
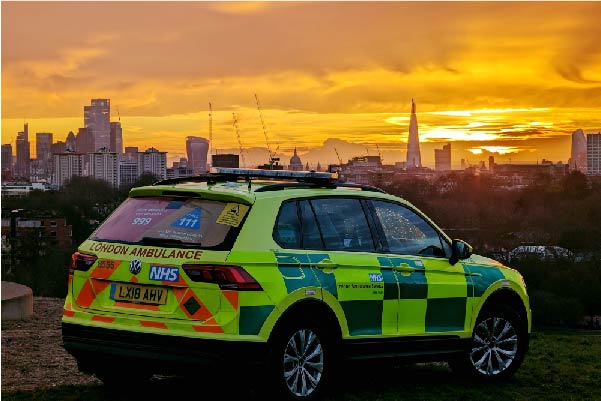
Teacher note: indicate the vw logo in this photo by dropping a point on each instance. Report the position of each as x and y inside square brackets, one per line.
[135, 266]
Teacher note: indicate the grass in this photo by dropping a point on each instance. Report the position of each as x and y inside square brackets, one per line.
[561, 365]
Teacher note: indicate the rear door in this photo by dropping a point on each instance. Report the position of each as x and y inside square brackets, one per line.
[367, 295]
[147, 252]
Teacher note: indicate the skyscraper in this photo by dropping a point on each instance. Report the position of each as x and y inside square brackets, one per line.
[197, 149]
[593, 154]
[442, 158]
[578, 155]
[71, 143]
[22, 169]
[116, 137]
[7, 161]
[43, 151]
[96, 120]
[414, 158]
[84, 143]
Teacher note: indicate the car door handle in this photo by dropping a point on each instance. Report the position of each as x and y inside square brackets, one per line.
[326, 264]
[405, 268]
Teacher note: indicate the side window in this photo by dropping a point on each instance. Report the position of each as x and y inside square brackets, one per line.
[343, 224]
[287, 229]
[407, 233]
[310, 230]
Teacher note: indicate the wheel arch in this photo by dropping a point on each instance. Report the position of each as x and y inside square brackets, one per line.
[507, 297]
[311, 308]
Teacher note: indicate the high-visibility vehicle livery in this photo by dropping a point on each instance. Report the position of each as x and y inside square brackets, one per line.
[295, 272]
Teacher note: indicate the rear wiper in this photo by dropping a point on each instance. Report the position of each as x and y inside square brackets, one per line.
[169, 242]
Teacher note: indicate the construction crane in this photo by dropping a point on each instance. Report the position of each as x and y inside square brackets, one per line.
[380, 154]
[272, 157]
[339, 159]
[239, 141]
[210, 134]
[118, 115]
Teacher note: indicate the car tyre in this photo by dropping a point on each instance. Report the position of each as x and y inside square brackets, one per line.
[497, 348]
[303, 360]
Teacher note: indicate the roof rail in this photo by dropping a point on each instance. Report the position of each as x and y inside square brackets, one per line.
[285, 185]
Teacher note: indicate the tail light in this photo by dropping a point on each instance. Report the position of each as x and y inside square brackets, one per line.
[227, 277]
[81, 261]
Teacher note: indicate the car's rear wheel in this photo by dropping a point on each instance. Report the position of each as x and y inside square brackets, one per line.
[497, 348]
[302, 360]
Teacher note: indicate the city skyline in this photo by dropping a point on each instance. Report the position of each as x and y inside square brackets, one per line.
[517, 91]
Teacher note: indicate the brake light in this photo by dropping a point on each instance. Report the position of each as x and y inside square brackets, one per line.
[81, 261]
[227, 277]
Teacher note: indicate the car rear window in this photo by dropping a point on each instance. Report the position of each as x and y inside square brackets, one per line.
[165, 221]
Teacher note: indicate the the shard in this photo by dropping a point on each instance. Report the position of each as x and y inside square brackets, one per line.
[414, 158]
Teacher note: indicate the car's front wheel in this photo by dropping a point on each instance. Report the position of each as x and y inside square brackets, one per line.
[497, 348]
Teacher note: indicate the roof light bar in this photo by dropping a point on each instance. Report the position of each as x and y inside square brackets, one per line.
[283, 174]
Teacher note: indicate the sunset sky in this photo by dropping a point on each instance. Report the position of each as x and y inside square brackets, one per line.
[515, 79]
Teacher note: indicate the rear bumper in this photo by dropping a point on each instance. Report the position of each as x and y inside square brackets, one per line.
[159, 353]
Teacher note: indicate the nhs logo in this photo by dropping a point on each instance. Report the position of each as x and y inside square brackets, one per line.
[376, 277]
[164, 273]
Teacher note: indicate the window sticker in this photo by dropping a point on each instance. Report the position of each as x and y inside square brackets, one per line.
[232, 214]
[190, 220]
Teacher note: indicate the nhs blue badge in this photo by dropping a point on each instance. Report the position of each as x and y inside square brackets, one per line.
[164, 273]
[376, 277]
[190, 220]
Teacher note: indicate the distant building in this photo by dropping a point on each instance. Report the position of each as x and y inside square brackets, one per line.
[116, 137]
[70, 143]
[67, 165]
[52, 229]
[197, 149]
[131, 153]
[516, 175]
[7, 161]
[84, 142]
[128, 172]
[96, 120]
[22, 168]
[104, 165]
[361, 169]
[60, 147]
[179, 171]
[442, 158]
[578, 155]
[593, 154]
[414, 158]
[154, 162]
[43, 150]
[491, 163]
[226, 160]
[23, 188]
[295, 162]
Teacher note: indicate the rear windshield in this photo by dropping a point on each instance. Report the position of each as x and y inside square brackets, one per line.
[173, 222]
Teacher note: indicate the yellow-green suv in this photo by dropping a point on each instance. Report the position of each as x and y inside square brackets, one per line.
[292, 271]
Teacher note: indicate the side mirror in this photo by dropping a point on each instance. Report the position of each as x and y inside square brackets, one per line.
[459, 250]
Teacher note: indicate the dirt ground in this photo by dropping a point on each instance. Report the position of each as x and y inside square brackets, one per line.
[32, 352]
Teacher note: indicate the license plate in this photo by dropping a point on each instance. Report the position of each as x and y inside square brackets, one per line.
[142, 294]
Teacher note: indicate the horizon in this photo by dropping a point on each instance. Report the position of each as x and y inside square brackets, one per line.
[321, 70]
